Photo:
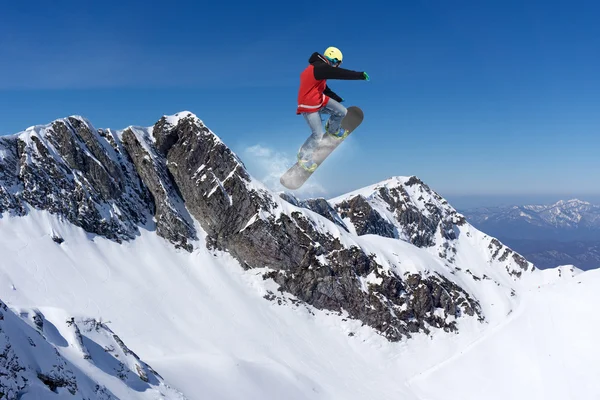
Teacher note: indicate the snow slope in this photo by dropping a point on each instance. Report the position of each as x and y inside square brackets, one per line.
[202, 323]
[70, 358]
[114, 312]
[547, 349]
[475, 261]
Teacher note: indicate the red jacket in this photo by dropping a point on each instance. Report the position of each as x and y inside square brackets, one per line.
[314, 93]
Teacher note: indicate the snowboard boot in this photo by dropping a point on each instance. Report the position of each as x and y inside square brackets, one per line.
[340, 134]
[308, 165]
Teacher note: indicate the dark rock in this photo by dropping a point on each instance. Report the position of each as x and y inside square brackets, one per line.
[365, 219]
[83, 174]
[9, 180]
[67, 171]
[312, 265]
[57, 239]
[320, 206]
[172, 220]
[56, 381]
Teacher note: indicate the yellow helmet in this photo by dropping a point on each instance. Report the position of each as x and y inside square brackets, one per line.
[334, 55]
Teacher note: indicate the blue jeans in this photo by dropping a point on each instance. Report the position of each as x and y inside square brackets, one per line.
[336, 112]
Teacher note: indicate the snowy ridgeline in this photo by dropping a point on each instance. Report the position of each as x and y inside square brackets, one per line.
[180, 180]
[46, 353]
[206, 327]
[571, 214]
[231, 291]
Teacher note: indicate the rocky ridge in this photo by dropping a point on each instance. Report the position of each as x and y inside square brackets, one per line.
[113, 183]
[42, 357]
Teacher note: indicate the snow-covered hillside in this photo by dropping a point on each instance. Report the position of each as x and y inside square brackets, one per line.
[188, 278]
[546, 349]
[415, 214]
[75, 358]
[204, 325]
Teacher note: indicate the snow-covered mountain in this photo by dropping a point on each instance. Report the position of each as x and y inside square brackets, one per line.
[564, 220]
[230, 290]
[79, 358]
[567, 232]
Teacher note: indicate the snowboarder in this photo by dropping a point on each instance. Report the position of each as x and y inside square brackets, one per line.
[316, 98]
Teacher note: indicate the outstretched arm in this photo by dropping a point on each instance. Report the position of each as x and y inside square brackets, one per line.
[326, 71]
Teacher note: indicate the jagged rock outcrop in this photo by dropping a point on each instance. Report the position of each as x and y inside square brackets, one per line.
[395, 306]
[408, 209]
[416, 219]
[178, 170]
[92, 179]
[9, 181]
[172, 219]
[310, 262]
[64, 169]
[29, 363]
[319, 205]
[38, 357]
[365, 219]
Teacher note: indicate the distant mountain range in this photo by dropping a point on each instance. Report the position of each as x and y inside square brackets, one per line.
[564, 220]
[566, 232]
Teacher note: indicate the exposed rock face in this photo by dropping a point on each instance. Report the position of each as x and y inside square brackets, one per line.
[9, 181]
[211, 179]
[68, 172]
[365, 219]
[394, 306]
[417, 220]
[320, 206]
[87, 176]
[306, 260]
[37, 357]
[172, 219]
[503, 253]
[65, 169]
[112, 182]
[20, 343]
[407, 209]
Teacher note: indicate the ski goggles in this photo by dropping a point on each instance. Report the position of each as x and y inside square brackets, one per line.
[334, 61]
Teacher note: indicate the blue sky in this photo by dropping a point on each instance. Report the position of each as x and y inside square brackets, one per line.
[486, 98]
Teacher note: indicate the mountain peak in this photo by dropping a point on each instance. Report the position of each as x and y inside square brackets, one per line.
[393, 258]
[571, 203]
[175, 118]
[178, 172]
[42, 128]
[389, 183]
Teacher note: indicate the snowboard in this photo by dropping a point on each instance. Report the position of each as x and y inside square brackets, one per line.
[296, 176]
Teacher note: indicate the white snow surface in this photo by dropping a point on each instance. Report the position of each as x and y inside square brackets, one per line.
[175, 118]
[473, 266]
[202, 323]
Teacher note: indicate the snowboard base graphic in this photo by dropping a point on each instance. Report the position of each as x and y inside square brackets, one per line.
[296, 176]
